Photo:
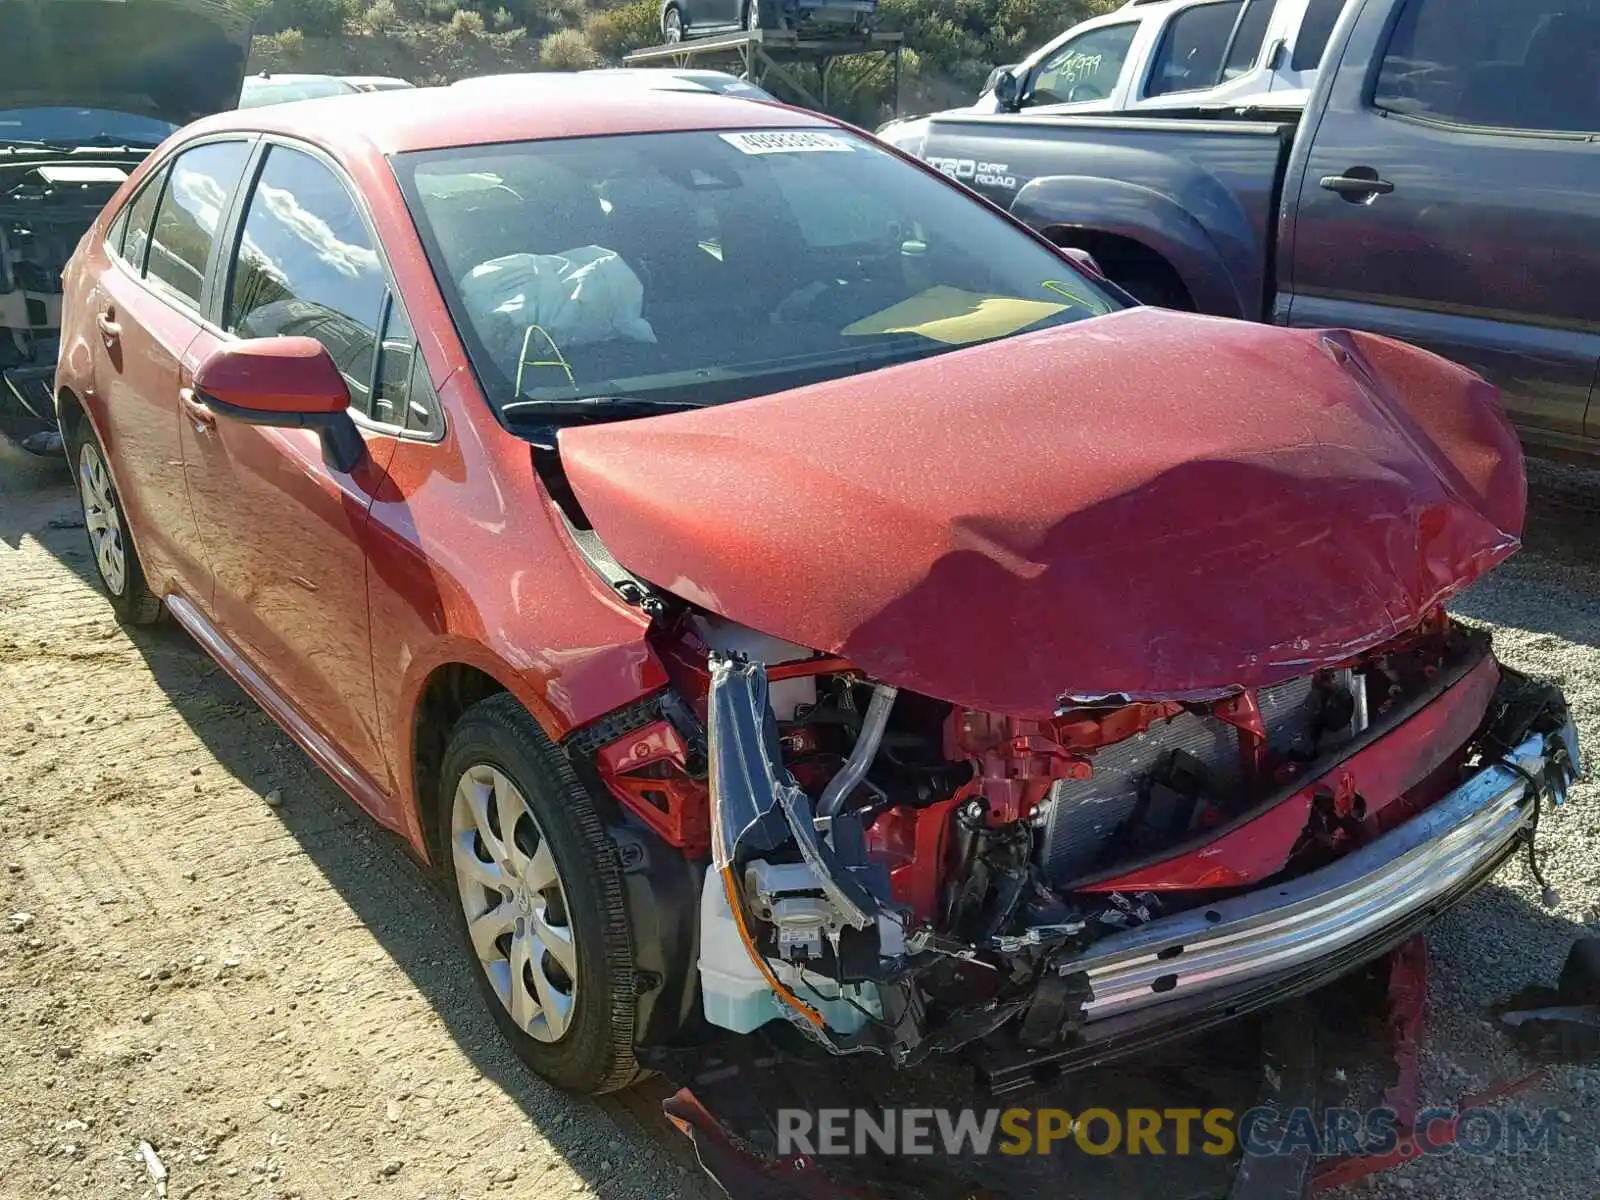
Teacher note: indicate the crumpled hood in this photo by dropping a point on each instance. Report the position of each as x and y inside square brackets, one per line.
[172, 59]
[1149, 504]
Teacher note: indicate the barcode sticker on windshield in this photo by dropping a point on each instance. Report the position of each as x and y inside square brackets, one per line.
[788, 141]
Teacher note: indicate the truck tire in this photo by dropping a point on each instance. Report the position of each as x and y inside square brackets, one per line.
[1154, 286]
[537, 894]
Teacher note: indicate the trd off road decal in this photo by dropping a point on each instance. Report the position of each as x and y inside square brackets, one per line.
[974, 171]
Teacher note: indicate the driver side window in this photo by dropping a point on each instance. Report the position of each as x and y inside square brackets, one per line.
[1086, 68]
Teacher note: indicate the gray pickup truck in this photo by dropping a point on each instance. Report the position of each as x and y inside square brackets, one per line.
[1441, 186]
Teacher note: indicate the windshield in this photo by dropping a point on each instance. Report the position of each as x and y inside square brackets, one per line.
[704, 267]
[81, 127]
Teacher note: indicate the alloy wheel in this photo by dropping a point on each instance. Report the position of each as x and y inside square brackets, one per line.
[102, 519]
[514, 902]
[672, 27]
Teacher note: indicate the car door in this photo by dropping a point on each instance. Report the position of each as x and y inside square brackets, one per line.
[283, 531]
[1448, 198]
[1085, 73]
[147, 305]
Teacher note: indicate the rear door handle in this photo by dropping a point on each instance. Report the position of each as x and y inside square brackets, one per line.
[1358, 184]
[109, 329]
[199, 411]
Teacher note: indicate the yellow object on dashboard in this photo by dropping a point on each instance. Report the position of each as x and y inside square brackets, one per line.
[955, 317]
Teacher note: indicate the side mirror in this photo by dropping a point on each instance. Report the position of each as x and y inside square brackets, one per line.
[1007, 89]
[1084, 260]
[287, 382]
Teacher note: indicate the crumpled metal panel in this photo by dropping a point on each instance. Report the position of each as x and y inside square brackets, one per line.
[1150, 504]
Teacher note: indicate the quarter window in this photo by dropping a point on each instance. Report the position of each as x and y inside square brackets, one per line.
[137, 227]
[1200, 49]
[191, 207]
[307, 266]
[391, 388]
[1086, 68]
[1501, 64]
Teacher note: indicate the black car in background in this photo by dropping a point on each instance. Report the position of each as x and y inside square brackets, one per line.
[87, 89]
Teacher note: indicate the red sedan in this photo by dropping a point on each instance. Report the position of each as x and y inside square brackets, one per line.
[772, 585]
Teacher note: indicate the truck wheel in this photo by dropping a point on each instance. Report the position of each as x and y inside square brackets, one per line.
[110, 536]
[538, 899]
[1154, 286]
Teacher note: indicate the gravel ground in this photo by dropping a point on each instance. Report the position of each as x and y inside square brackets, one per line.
[269, 995]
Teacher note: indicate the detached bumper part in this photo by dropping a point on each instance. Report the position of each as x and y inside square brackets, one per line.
[27, 409]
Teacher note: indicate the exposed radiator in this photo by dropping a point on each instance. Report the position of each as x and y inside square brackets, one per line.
[1084, 815]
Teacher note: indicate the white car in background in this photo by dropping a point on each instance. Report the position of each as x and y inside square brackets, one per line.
[377, 83]
[1151, 55]
[659, 79]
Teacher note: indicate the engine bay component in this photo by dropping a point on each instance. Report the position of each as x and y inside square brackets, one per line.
[1364, 784]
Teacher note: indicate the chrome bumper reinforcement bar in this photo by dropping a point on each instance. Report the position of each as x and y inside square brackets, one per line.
[1273, 931]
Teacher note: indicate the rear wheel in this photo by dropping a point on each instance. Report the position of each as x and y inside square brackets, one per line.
[752, 15]
[110, 539]
[672, 25]
[539, 899]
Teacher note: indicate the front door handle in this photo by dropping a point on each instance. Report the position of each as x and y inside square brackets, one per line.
[199, 411]
[109, 329]
[1359, 185]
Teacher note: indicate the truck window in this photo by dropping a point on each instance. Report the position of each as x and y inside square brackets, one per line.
[1086, 68]
[1199, 48]
[1502, 64]
[1315, 30]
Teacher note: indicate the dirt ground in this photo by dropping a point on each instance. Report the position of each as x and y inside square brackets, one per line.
[269, 994]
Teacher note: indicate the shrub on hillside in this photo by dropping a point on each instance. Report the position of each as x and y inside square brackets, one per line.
[466, 23]
[382, 17]
[619, 31]
[315, 18]
[567, 50]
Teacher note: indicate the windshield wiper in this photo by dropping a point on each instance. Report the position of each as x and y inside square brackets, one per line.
[607, 408]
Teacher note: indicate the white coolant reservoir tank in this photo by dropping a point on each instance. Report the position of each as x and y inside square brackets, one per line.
[786, 695]
[735, 994]
[733, 991]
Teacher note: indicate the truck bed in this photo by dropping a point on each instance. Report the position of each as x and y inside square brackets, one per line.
[1202, 188]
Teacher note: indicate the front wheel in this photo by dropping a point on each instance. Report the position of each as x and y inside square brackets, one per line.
[672, 26]
[752, 15]
[539, 899]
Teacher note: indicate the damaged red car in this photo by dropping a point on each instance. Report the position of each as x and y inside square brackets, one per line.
[780, 592]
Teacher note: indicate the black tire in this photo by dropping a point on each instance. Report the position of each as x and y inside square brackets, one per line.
[750, 17]
[1153, 286]
[595, 1053]
[130, 594]
[673, 28]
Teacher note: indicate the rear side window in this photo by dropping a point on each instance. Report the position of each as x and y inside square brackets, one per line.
[1201, 48]
[1086, 68]
[138, 215]
[1502, 64]
[197, 193]
[1315, 30]
[307, 266]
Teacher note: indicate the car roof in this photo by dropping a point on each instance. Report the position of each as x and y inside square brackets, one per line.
[527, 109]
